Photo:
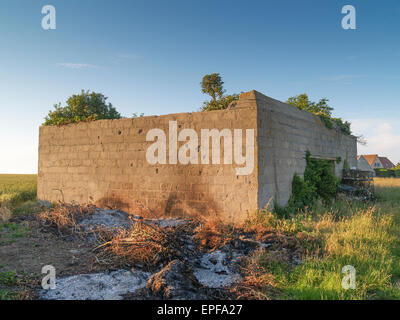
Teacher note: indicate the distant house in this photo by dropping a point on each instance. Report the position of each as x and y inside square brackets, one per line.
[369, 162]
[363, 165]
[387, 164]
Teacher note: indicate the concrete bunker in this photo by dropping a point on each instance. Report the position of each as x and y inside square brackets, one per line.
[104, 162]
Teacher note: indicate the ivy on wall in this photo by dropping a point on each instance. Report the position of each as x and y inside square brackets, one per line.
[320, 182]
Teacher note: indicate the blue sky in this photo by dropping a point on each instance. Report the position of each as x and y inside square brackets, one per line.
[150, 56]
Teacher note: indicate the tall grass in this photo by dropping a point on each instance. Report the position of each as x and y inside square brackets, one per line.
[16, 189]
[363, 235]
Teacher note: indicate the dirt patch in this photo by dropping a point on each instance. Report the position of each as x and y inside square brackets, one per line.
[25, 247]
[37, 248]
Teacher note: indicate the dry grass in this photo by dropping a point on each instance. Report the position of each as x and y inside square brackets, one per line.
[146, 246]
[387, 182]
[213, 234]
[256, 284]
[5, 212]
[65, 217]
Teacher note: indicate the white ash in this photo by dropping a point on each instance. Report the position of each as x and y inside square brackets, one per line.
[96, 286]
[111, 219]
[214, 271]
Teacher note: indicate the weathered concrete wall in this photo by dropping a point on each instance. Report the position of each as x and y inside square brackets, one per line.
[285, 133]
[104, 162]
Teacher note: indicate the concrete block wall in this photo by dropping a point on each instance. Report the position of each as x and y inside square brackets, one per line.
[285, 134]
[104, 162]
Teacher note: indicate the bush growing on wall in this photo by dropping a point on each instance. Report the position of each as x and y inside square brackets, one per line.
[86, 106]
[219, 104]
[321, 109]
[320, 182]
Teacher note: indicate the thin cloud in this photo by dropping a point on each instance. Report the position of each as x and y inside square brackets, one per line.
[76, 65]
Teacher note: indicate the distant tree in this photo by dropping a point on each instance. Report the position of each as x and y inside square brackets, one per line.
[86, 106]
[212, 85]
[397, 167]
[320, 108]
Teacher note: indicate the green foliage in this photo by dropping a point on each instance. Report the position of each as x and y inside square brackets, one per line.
[219, 104]
[87, 106]
[321, 109]
[212, 85]
[387, 173]
[302, 102]
[136, 115]
[320, 174]
[346, 165]
[8, 295]
[397, 167]
[344, 126]
[320, 182]
[327, 120]
[8, 278]
[303, 193]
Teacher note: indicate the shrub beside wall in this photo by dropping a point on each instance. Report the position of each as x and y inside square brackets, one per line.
[387, 173]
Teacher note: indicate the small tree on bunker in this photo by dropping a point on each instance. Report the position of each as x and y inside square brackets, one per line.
[212, 85]
[86, 106]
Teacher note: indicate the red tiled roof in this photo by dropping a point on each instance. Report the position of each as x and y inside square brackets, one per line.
[370, 158]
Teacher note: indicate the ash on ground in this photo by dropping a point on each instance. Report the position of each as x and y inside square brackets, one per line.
[194, 276]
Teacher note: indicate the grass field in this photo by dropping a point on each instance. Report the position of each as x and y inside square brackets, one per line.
[17, 191]
[365, 236]
[17, 188]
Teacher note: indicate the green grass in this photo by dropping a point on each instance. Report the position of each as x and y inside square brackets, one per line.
[10, 232]
[16, 190]
[366, 236]
[8, 295]
[8, 279]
